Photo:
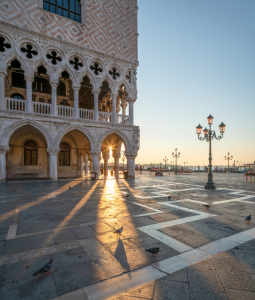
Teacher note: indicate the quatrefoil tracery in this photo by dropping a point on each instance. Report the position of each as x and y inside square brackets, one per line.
[54, 57]
[114, 73]
[4, 45]
[96, 68]
[76, 63]
[29, 50]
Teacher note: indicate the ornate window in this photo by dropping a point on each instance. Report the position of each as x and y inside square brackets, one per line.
[70, 9]
[30, 153]
[64, 155]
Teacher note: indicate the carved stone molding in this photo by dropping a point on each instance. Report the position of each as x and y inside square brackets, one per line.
[4, 149]
[29, 78]
[95, 153]
[131, 155]
[53, 151]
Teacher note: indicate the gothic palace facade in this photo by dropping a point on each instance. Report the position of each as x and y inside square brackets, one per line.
[67, 86]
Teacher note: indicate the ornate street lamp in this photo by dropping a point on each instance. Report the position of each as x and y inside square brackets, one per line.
[208, 136]
[176, 155]
[165, 160]
[228, 159]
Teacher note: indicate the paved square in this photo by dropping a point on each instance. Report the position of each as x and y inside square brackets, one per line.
[204, 254]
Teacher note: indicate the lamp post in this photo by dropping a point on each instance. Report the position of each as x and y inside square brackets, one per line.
[176, 155]
[123, 159]
[228, 159]
[208, 136]
[184, 164]
[165, 160]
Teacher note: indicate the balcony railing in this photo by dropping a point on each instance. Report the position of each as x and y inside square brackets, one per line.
[86, 114]
[15, 104]
[65, 111]
[41, 108]
[123, 119]
[105, 116]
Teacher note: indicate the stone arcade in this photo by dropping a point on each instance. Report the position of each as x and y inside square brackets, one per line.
[67, 80]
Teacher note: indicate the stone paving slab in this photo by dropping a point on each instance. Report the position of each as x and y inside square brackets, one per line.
[75, 228]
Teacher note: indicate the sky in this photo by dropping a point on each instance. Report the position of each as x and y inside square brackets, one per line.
[195, 58]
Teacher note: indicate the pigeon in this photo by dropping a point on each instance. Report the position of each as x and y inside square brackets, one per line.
[119, 230]
[69, 188]
[126, 196]
[154, 250]
[45, 269]
[248, 218]
[207, 206]
[169, 197]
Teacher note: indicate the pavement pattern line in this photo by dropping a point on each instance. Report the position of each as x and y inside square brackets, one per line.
[116, 286]
[156, 211]
[14, 226]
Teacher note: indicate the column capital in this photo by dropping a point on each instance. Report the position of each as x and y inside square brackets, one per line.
[131, 100]
[96, 92]
[3, 72]
[54, 83]
[4, 149]
[95, 153]
[116, 156]
[29, 78]
[53, 151]
[76, 87]
[131, 154]
[114, 95]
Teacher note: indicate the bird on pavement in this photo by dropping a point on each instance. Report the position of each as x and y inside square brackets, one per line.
[45, 269]
[169, 197]
[207, 206]
[69, 188]
[126, 196]
[119, 230]
[153, 251]
[248, 218]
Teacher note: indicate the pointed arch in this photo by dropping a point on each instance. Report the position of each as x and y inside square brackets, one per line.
[12, 56]
[90, 77]
[5, 138]
[120, 134]
[69, 128]
[39, 63]
[111, 85]
[61, 69]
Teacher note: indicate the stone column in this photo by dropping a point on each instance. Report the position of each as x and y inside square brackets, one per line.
[131, 111]
[54, 110]
[106, 157]
[131, 164]
[79, 163]
[96, 94]
[83, 12]
[86, 163]
[3, 151]
[95, 161]
[2, 90]
[29, 82]
[114, 114]
[53, 152]
[116, 157]
[76, 89]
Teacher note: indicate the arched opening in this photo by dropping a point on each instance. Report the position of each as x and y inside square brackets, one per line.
[65, 93]
[113, 149]
[73, 156]
[105, 102]
[41, 91]
[28, 155]
[15, 87]
[86, 96]
[122, 105]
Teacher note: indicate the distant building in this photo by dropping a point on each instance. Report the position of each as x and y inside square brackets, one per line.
[67, 79]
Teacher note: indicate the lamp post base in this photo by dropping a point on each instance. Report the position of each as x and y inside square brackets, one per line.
[210, 185]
